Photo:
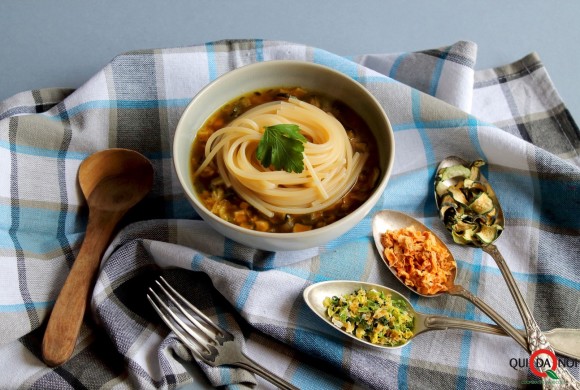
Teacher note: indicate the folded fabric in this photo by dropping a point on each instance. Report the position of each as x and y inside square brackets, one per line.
[512, 117]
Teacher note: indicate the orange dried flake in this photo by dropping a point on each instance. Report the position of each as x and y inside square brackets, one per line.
[419, 260]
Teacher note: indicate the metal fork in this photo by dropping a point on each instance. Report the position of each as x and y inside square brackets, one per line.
[207, 341]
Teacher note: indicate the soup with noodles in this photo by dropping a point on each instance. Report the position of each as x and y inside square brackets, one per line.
[337, 153]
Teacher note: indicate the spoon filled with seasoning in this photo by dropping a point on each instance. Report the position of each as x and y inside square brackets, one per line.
[470, 210]
[424, 264]
[381, 317]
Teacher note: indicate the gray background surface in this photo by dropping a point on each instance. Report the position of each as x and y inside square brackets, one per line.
[62, 43]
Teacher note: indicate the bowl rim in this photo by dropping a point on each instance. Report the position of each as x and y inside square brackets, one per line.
[373, 198]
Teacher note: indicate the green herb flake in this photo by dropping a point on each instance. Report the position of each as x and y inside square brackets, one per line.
[282, 146]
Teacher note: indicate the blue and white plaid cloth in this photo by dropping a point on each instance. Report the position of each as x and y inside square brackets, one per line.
[511, 116]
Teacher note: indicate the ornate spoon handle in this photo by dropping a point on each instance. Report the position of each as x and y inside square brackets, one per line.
[536, 338]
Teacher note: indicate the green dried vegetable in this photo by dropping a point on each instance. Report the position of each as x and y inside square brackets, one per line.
[466, 204]
[372, 316]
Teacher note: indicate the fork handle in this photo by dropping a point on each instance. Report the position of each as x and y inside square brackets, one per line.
[250, 365]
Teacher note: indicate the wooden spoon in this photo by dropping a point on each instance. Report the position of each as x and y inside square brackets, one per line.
[113, 181]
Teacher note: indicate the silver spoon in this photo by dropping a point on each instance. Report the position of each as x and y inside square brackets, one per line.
[537, 339]
[393, 220]
[314, 296]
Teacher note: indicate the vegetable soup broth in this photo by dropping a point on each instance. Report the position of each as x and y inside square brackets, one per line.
[225, 203]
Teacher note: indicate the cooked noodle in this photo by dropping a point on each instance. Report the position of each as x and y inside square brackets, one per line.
[330, 170]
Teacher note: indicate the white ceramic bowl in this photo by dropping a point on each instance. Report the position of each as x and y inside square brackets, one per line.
[280, 74]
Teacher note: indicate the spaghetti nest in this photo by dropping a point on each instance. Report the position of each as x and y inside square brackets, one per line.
[419, 260]
[331, 166]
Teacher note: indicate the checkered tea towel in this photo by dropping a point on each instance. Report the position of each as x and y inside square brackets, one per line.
[512, 117]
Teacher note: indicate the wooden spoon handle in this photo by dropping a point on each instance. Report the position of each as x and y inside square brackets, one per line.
[68, 312]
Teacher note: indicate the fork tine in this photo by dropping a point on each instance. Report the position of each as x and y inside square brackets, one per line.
[179, 321]
[192, 347]
[221, 333]
[183, 311]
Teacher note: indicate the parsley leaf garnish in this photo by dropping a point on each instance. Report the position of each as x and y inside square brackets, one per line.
[282, 146]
